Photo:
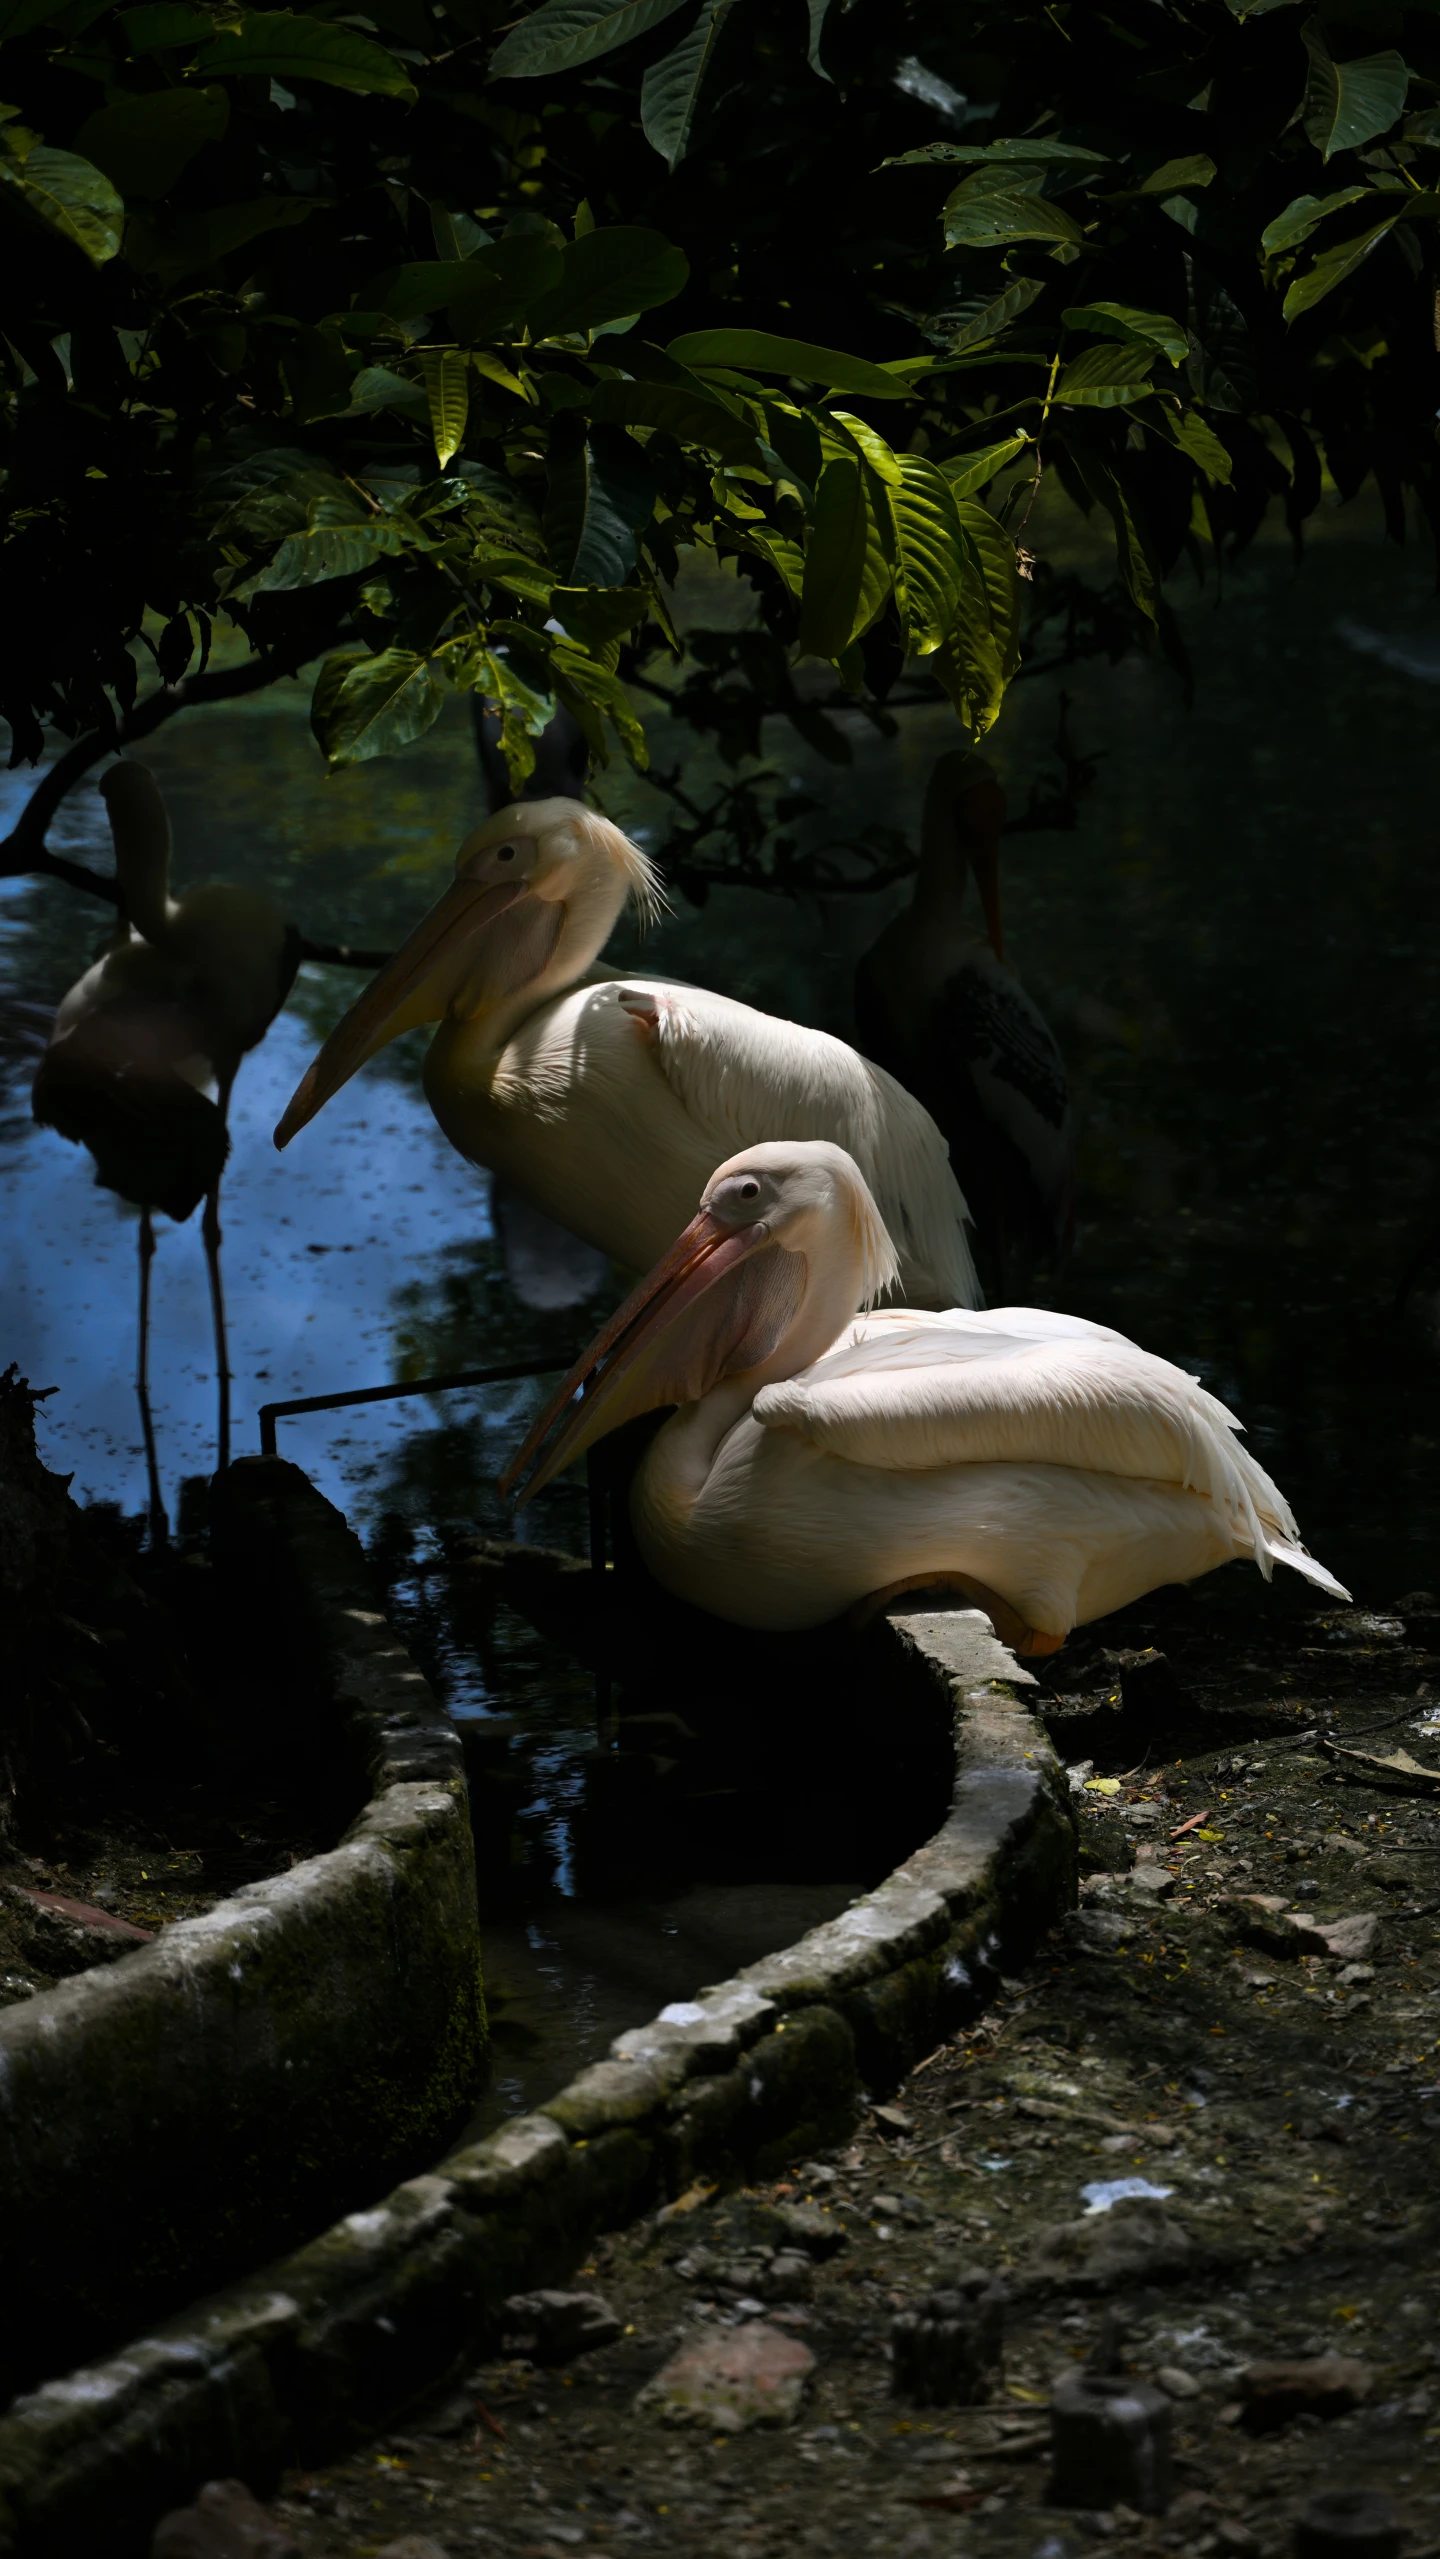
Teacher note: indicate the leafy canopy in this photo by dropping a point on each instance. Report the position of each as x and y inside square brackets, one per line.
[430, 343]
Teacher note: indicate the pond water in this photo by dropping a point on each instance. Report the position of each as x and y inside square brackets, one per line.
[1237, 948]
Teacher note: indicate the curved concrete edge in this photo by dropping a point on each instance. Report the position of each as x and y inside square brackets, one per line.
[343, 2335]
[188, 2109]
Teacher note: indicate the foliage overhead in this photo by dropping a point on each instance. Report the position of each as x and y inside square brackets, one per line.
[430, 343]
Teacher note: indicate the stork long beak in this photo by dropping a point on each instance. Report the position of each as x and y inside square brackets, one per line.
[414, 987]
[979, 818]
[640, 1360]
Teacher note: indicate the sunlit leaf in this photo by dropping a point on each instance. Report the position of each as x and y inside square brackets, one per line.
[1198, 438]
[1106, 377]
[882, 458]
[760, 351]
[365, 706]
[564, 32]
[375, 387]
[605, 275]
[988, 314]
[595, 695]
[142, 144]
[989, 220]
[285, 47]
[68, 195]
[930, 560]
[1028, 150]
[446, 376]
[967, 471]
[1195, 169]
[1122, 320]
[1300, 217]
[670, 90]
[1347, 103]
[327, 551]
[994, 552]
[819, 11]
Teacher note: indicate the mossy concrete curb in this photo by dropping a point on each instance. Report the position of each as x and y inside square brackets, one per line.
[187, 2110]
[338, 2338]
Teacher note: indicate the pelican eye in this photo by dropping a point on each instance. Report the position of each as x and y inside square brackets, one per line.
[749, 1190]
[506, 852]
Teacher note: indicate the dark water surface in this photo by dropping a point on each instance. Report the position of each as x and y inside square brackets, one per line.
[1238, 950]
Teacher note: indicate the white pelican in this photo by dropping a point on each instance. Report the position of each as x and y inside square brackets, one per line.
[185, 990]
[823, 1456]
[936, 1002]
[607, 1098]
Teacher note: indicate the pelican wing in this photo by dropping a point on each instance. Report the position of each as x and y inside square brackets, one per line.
[747, 1076]
[1024, 1387]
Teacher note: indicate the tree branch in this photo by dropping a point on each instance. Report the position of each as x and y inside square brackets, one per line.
[24, 849]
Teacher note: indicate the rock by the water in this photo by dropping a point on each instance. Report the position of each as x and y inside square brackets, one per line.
[1136, 2241]
[554, 2327]
[731, 2379]
[1315, 2385]
[225, 2522]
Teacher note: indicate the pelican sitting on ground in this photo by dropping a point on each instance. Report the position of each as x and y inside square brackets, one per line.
[606, 1097]
[187, 988]
[936, 1003]
[824, 1457]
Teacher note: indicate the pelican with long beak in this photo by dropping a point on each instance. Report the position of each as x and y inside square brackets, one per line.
[607, 1098]
[823, 1456]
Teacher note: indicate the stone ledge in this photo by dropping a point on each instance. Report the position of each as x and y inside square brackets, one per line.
[342, 2336]
[206, 2098]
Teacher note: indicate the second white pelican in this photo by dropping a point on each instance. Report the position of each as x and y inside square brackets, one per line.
[823, 1456]
[606, 1098]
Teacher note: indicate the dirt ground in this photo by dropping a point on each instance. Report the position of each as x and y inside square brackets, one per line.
[1279, 2099]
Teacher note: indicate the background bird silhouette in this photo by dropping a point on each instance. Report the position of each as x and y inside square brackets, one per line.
[187, 987]
[936, 1003]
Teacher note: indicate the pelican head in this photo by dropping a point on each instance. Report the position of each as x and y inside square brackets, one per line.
[537, 892]
[787, 1245]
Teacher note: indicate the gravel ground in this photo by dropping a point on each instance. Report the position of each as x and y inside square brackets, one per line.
[1277, 2098]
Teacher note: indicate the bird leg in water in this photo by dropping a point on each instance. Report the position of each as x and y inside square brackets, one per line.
[159, 1524]
[210, 1233]
[1008, 1623]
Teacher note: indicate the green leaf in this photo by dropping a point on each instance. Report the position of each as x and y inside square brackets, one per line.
[564, 32]
[758, 351]
[883, 461]
[981, 650]
[169, 246]
[1141, 577]
[929, 555]
[595, 695]
[524, 711]
[819, 10]
[599, 615]
[984, 318]
[142, 144]
[276, 42]
[1347, 103]
[1197, 437]
[987, 221]
[375, 387]
[967, 471]
[70, 196]
[324, 552]
[670, 90]
[364, 706]
[1106, 377]
[1029, 152]
[165, 27]
[1120, 320]
[456, 235]
[995, 552]
[683, 413]
[1196, 169]
[1333, 267]
[834, 561]
[605, 275]
[1301, 216]
[446, 376]
[520, 576]
[600, 495]
[273, 492]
